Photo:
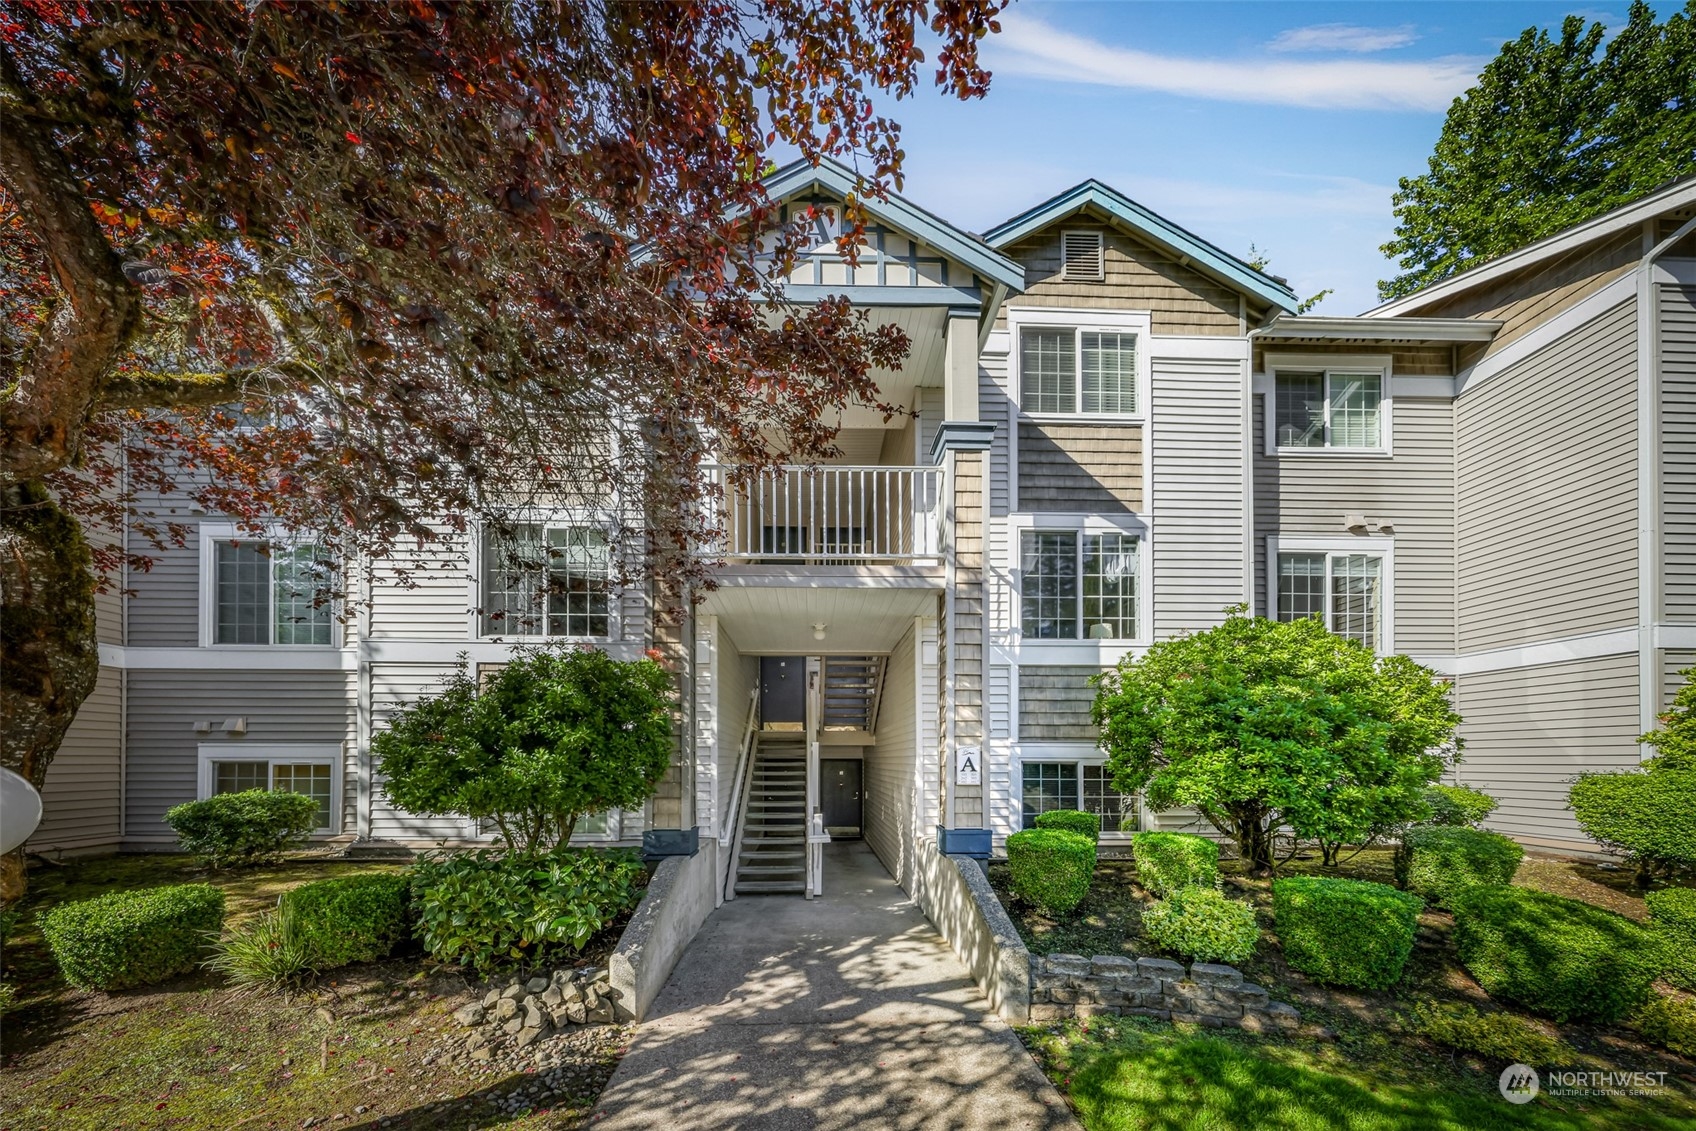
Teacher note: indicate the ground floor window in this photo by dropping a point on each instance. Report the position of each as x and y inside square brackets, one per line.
[1075, 785]
[303, 770]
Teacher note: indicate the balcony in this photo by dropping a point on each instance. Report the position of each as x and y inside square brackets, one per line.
[828, 515]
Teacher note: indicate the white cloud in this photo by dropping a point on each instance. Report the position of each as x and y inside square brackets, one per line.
[1028, 46]
[1343, 37]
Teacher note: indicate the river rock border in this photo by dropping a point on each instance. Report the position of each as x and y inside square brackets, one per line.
[1070, 985]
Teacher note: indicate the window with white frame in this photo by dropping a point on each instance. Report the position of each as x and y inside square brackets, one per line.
[1345, 590]
[542, 579]
[1081, 785]
[261, 593]
[1339, 409]
[1067, 371]
[307, 770]
[1080, 585]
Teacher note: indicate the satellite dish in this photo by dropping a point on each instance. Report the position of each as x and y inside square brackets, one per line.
[20, 810]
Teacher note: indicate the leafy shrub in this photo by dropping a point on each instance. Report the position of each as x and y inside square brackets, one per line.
[1169, 862]
[1675, 740]
[1672, 916]
[133, 938]
[1073, 821]
[1051, 868]
[1459, 805]
[1201, 923]
[1644, 814]
[268, 952]
[1345, 932]
[483, 908]
[1503, 1037]
[1669, 1022]
[255, 826]
[349, 918]
[1560, 957]
[1440, 861]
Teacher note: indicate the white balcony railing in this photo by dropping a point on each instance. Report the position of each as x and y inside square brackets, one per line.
[829, 515]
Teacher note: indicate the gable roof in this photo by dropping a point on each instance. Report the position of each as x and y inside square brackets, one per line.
[899, 212]
[1154, 228]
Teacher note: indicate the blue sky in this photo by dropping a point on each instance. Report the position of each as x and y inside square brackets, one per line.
[1284, 125]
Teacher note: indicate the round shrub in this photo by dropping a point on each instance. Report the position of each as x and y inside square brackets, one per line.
[349, 918]
[1504, 1037]
[1201, 923]
[1560, 957]
[1672, 916]
[133, 938]
[1644, 814]
[1439, 861]
[1051, 868]
[1670, 1023]
[1345, 932]
[1458, 805]
[255, 826]
[1073, 821]
[1167, 862]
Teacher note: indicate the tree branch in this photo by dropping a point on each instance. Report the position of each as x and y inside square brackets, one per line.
[146, 389]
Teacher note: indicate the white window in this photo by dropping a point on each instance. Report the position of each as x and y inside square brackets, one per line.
[1080, 585]
[1074, 372]
[1327, 405]
[1082, 785]
[256, 591]
[542, 579]
[233, 767]
[1344, 585]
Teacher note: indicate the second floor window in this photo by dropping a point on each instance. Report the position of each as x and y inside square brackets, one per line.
[270, 594]
[1073, 372]
[1079, 586]
[545, 580]
[1329, 409]
[1345, 591]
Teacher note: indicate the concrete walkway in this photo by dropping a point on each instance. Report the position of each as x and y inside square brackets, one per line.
[847, 1011]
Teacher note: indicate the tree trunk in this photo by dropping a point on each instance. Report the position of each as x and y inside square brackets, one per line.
[49, 654]
[1254, 841]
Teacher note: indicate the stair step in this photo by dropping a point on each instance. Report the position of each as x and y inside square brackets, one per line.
[755, 886]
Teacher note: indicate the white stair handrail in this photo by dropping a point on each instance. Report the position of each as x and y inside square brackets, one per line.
[743, 781]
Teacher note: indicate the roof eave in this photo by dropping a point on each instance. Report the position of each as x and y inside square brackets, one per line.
[1379, 329]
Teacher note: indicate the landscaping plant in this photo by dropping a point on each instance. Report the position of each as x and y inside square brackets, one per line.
[1260, 724]
[1200, 923]
[1675, 739]
[1459, 805]
[1345, 932]
[1051, 868]
[243, 829]
[1438, 862]
[1672, 916]
[349, 918]
[1669, 1022]
[551, 737]
[1502, 1037]
[484, 908]
[1072, 820]
[1556, 956]
[1169, 862]
[268, 952]
[133, 938]
[1649, 815]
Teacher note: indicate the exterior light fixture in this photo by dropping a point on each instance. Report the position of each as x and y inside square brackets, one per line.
[818, 631]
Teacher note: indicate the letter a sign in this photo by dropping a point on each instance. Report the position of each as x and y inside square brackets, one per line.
[968, 765]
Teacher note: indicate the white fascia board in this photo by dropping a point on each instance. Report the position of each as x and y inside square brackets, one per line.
[1316, 329]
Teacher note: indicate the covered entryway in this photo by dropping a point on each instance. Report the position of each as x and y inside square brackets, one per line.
[840, 786]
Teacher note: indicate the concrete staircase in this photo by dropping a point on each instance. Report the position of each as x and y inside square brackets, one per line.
[772, 854]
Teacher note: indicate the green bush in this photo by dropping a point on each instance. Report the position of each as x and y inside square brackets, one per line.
[1201, 923]
[1439, 862]
[255, 826]
[133, 938]
[349, 918]
[1560, 957]
[1670, 1023]
[1672, 916]
[268, 952]
[1167, 862]
[483, 908]
[1644, 814]
[1051, 868]
[1345, 932]
[1459, 805]
[1073, 821]
[1504, 1037]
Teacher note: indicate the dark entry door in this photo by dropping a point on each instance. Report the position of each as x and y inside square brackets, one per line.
[839, 795]
[783, 691]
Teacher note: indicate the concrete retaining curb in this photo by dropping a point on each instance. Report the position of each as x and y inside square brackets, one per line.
[679, 898]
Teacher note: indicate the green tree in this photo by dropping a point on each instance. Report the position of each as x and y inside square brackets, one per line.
[1260, 724]
[1675, 741]
[1557, 130]
[548, 739]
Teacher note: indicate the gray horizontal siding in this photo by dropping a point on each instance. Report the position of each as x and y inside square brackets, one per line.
[1675, 665]
[1199, 493]
[164, 601]
[80, 800]
[393, 686]
[1547, 458]
[1080, 468]
[1530, 731]
[1055, 701]
[1678, 450]
[427, 601]
[996, 407]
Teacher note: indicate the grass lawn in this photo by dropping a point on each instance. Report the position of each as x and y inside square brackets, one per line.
[362, 1047]
[1358, 1062]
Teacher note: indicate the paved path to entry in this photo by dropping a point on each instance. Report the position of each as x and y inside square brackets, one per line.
[847, 1011]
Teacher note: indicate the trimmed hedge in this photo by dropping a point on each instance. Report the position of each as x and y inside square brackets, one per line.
[349, 918]
[1345, 932]
[1458, 805]
[1201, 923]
[1051, 868]
[1167, 862]
[1670, 1023]
[1504, 1037]
[255, 826]
[1439, 862]
[1072, 820]
[1645, 814]
[1560, 957]
[133, 938]
[1672, 916]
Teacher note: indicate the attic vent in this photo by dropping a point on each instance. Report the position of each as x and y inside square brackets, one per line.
[1081, 256]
